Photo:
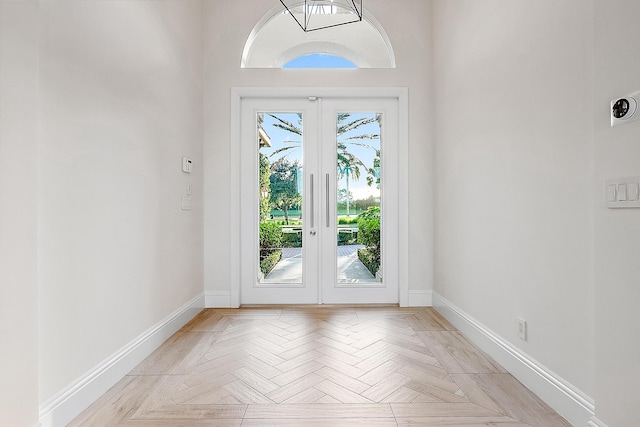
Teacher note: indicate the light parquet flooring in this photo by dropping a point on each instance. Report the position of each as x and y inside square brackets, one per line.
[319, 366]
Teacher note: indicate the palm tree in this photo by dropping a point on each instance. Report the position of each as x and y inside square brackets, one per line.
[349, 165]
[344, 125]
[294, 128]
[374, 171]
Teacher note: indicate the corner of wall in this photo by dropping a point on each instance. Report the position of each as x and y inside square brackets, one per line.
[218, 299]
[421, 298]
[563, 397]
[76, 397]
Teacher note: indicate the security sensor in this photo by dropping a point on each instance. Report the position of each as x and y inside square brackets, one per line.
[187, 165]
[624, 110]
[620, 108]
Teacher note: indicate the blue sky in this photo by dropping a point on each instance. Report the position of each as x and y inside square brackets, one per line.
[319, 60]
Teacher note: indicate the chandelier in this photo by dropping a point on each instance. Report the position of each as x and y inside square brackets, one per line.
[312, 15]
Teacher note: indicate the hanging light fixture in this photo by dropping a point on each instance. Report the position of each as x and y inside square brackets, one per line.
[312, 15]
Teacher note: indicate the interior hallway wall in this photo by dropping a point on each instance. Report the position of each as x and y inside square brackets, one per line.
[121, 104]
[514, 199]
[18, 213]
[227, 27]
[617, 237]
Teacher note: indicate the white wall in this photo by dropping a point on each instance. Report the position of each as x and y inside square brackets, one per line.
[514, 200]
[617, 266]
[121, 103]
[519, 120]
[18, 200]
[227, 27]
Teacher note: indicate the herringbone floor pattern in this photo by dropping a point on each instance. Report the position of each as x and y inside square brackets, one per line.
[319, 366]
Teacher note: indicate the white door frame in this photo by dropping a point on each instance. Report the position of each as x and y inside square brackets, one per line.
[400, 93]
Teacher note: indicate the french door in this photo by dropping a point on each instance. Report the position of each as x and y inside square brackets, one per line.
[319, 200]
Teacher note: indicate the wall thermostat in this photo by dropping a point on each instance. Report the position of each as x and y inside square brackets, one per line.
[187, 165]
[625, 109]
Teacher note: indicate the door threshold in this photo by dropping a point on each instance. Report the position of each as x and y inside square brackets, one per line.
[319, 306]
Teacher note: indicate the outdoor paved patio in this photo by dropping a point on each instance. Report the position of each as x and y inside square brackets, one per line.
[350, 268]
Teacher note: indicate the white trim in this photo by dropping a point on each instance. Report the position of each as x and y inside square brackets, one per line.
[234, 205]
[403, 200]
[594, 422]
[420, 298]
[399, 93]
[218, 299]
[565, 398]
[77, 396]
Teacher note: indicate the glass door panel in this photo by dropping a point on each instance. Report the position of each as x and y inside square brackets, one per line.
[360, 234]
[281, 194]
[358, 213]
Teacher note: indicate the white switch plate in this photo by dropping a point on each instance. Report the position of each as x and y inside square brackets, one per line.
[186, 203]
[622, 193]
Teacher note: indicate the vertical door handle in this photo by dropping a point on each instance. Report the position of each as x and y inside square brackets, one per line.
[311, 220]
[328, 222]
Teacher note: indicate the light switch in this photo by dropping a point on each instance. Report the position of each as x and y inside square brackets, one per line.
[634, 191]
[622, 192]
[186, 203]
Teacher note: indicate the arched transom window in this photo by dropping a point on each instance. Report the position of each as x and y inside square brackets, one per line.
[277, 41]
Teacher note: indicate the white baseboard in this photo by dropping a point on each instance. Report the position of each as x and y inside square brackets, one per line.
[594, 422]
[75, 398]
[563, 397]
[217, 299]
[420, 298]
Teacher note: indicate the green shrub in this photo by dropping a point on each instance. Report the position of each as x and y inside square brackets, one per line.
[292, 239]
[270, 243]
[265, 186]
[346, 220]
[371, 212]
[346, 237]
[269, 261]
[370, 259]
[270, 238]
[369, 233]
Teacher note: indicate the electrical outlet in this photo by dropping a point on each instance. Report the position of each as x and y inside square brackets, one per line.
[522, 329]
